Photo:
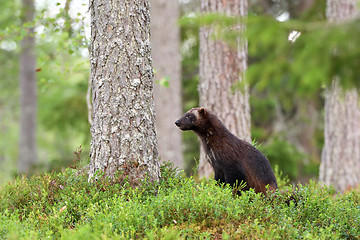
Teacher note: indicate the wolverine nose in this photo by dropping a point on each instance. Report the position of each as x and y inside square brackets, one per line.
[177, 123]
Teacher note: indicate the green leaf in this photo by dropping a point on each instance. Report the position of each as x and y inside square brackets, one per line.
[163, 82]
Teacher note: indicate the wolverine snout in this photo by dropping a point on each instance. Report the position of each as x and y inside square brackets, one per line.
[177, 123]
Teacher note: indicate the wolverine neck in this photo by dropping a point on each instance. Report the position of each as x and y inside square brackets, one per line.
[215, 131]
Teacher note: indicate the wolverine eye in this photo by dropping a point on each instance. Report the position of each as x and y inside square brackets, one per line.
[190, 117]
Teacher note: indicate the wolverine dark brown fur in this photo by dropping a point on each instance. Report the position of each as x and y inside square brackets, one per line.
[233, 159]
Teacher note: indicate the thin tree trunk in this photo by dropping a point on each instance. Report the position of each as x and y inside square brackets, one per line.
[28, 93]
[340, 163]
[220, 68]
[123, 126]
[68, 20]
[165, 42]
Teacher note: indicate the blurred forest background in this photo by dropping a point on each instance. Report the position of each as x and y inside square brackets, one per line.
[288, 63]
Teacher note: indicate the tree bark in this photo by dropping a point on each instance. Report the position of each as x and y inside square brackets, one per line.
[28, 93]
[220, 68]
[123, 125]
[165, 42]
[340, 163]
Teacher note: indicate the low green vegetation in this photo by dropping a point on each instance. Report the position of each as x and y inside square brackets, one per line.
[66, 206]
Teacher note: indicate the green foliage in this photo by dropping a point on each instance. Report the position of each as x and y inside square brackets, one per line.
[282, 180]
[280, 152]
[164, 82]
[8, 90]
[304, 64]
[65, 205]
[62, 73]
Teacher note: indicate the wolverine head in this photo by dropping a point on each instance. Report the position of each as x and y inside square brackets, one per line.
[192, 119]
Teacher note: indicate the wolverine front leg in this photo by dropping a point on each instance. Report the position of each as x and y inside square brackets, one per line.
[219, 176]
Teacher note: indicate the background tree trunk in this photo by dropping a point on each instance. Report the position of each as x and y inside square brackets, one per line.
[68, 20]
[220, 68]
[28, 93]
[165, 43]
[340, 163]
[123, 126]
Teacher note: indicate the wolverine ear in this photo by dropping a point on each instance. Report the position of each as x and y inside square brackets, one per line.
[202, 112]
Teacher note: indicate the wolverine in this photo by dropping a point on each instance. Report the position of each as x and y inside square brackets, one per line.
[234, 160]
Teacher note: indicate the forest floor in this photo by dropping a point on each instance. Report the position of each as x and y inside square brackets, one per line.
[65, 205]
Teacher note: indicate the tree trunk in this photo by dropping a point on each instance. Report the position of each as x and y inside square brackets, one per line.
[165, 42]
[220, 68]
[68, 20]
[28, 93]
[123, 125]
[340, 163]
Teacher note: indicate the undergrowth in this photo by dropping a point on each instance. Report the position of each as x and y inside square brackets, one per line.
[65, 205]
